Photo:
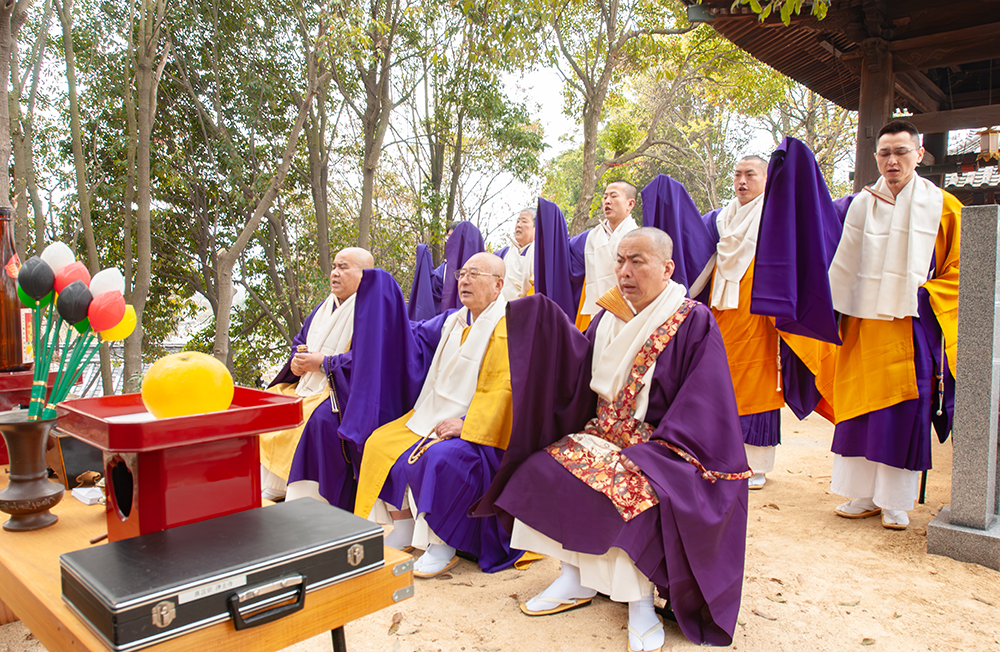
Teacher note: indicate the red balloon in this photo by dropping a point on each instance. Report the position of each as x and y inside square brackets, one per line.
[106, 310]
[76, 271]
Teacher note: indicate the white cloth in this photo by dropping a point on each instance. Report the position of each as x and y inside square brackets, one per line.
[330, 334]
[616, 344]
[885, 251]
[454, 373]
[520, 268]
[272, 485]
[422, 536]
[760, 458]
[613, 573]
[304, 489]
[599, 256]
[887, 486]
[738, 226]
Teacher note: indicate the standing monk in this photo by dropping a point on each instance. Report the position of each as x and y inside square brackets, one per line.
[751, 340]
[888, 261]
[519, 258]
[602, 246]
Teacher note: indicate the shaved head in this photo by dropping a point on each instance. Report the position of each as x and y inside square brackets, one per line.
[630, 191]
[659, 244]
[360, 257]
[348, 264]
[643, 265]
[481, 282]
[487, 262]
[757, 162]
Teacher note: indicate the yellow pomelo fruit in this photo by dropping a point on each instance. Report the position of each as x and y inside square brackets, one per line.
[184, 383]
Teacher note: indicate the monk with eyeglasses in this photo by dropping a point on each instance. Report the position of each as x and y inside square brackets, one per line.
[422, 472]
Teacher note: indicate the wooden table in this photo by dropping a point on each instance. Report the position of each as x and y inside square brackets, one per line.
[30, 586]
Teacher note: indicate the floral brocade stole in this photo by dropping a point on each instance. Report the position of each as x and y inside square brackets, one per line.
[630, 493]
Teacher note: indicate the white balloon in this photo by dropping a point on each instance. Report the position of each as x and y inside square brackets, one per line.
[57, 255]
[107, 280]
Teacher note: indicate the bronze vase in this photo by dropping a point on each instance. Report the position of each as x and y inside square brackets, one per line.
[29, 494]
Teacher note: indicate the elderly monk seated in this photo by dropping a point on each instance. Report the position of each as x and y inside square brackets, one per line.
[437, 460]
[649, 488]
[325, 334]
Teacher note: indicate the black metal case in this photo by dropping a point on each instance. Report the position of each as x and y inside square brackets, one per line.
[253, 566]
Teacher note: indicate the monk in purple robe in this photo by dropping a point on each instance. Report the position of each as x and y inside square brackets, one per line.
[423, 471]
[326, 333]
[628, 463]
[375, 381]
[434, 289]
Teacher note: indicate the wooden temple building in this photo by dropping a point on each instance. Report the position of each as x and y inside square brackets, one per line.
[937, 59]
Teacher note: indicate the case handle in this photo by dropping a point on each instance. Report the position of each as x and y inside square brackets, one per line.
[267, 615]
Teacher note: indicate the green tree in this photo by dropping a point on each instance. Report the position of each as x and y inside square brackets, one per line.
[595, 45]
[827, 129]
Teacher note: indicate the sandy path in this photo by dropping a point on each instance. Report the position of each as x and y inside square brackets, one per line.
[813, 581]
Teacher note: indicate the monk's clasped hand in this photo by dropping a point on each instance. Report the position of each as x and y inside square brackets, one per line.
[449, 429]
[629, 465]
[305, 362]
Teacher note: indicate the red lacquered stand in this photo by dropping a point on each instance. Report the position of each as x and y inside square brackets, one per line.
[162, 473]
[15, 390]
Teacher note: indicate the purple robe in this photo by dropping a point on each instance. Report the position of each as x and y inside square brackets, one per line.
[425, 295]
[447, 479]
[710, 220]
[800, 231]
[667, 206]
[375, 382]
[799, 234]
[465, 242]
[559, 262]
[692, 544]
[435, 288]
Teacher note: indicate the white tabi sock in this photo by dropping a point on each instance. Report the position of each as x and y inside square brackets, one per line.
[857, 506]
[895, 517]
[645, 631]
[435, 559]
[566, 587]
[401, 535]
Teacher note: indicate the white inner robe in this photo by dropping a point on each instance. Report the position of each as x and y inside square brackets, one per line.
[599, 256]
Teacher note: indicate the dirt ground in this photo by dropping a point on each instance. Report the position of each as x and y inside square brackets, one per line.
[813, 581]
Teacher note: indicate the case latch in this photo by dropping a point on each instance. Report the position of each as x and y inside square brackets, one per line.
[355, 554]
[164, 613]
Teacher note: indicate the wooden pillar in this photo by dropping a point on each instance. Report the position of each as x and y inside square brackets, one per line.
[937, 146]
[875, 107]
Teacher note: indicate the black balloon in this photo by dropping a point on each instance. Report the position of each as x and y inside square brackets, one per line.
[73, 302]
[36, 278]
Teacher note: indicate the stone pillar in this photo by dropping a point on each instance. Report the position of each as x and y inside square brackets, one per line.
[875, 105]
[969, 530]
